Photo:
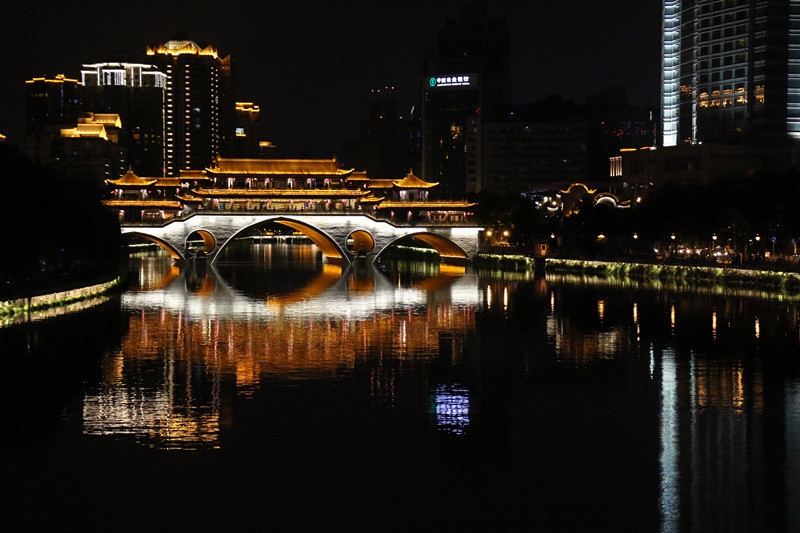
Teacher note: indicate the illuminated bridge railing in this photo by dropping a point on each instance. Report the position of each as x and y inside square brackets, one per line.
[397, 221]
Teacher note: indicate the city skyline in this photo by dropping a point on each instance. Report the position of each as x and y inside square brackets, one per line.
[311, 70]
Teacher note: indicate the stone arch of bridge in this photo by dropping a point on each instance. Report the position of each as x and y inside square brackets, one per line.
[209, 241]
[447, 249]
[324, 242]
[171, 250]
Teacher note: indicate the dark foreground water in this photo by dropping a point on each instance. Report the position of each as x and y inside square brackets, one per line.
[290, 394]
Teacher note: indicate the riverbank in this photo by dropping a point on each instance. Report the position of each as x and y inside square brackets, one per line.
[698, 275]
[20, 306]
[506, 263]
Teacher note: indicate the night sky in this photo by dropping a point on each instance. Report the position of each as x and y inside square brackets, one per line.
[310, 65]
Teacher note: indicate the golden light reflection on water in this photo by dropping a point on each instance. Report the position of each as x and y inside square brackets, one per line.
[164, 385]
[178, 367]
[725, 388]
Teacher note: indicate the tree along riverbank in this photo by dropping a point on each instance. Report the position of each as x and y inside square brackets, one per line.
[59, 234]
[20, 306]
[698, 275]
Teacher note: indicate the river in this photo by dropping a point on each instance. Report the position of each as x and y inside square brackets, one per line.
[276, 391]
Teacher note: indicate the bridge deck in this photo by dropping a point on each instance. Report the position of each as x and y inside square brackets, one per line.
[329, 230]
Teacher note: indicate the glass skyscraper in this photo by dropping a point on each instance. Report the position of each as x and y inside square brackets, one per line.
[730, 71]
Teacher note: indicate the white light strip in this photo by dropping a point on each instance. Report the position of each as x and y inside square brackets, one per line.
[670, 72]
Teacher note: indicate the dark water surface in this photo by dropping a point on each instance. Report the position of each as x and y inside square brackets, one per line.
[286, 393]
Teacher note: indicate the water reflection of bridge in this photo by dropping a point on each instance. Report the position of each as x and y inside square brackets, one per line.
[190, 334]
[348, 292]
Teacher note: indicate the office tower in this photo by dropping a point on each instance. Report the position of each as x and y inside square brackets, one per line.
[198, 103]
[615, 125]
[53, 103]
[388, 143]
[543, 142]
[93, 150]
[466, 83]
[135, 92]
[730, 71]
[247, 134]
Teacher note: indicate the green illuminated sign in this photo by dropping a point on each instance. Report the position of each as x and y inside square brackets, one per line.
[463, 80]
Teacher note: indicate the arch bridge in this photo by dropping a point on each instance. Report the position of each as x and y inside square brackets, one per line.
[340, 237]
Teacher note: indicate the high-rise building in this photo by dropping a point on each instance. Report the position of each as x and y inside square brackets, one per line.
[92, 149]
[544, 142]
[198, 103]
[730, 71]
[135, 92]
[388, 144]
[247, 134]
[615, 125]
[53, 103]
[464, 84]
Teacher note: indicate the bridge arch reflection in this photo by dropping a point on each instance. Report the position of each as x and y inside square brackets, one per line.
[348, 292]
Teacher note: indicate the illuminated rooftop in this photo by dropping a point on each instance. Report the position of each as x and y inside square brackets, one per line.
[280, 193]
[86, 130]
[116, 64]
[380, 184]
[193, 175]
[60, 78]
[158, 204]
[107, 119]
[178, 47]
[168, 182]
[247, 106]
[361, 175]
[577, 186]
[413, 182]
[132, 180]
[439, 204]
[266, 167]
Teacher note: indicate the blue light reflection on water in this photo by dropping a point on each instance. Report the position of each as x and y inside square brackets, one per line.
[451, 408]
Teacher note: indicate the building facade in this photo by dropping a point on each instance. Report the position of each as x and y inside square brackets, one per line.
[135, 92]
[388, 144]
[53, 103]
[464, 84]
[198, 103]
[247, 134]
[91, 150]
[730, 71]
